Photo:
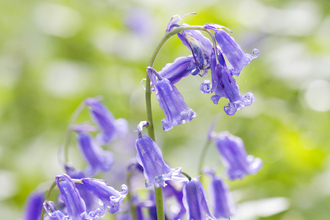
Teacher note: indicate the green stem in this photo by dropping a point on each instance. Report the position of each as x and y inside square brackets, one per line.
[69, 131]
[202, 158]
[186, 175]
[151, 132]
[47, 198]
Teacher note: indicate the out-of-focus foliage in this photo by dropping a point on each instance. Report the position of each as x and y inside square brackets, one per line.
[54, 54]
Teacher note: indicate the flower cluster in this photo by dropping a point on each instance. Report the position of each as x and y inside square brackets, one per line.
[109, 127]
[82, 197]
[205, 56]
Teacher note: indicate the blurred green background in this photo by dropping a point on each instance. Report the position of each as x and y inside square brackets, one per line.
[54, 54]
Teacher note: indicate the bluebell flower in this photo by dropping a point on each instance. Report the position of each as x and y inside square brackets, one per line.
[224, 85]
[109, 126]
[201, 48]
[150, 157]
[234, 53]
[110, 197]
[95, 156]
[33, 205]
[174, 72]
[171, 101]
[221, 200]
[194, 200]
[234, 157]
[87, 196]
[74, 205]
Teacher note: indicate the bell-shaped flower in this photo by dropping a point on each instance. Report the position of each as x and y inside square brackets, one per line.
[109, 126]
[75, 207]
[110, 197]
[224, 85]
[194, 200]
[233, 51]
[150, 157]
[97, 158]
[233, 155]
[87, 196]
[221, 200]
[174, 72]
[171, 101]
[33, 205]
[201, 48]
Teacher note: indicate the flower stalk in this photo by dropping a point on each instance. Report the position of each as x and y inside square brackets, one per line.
[150, 127]
[47, 198]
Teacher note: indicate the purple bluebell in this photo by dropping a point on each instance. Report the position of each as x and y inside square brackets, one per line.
[175, 71]
[224, 85]
[201, 48]
[110, 197]
[150, 157]
[87, 196]
[95, 156]
[75, 207]
[221, 200]
[109, 126]
[194, 200]
[33, 205]
[171, 101]
[234, 53]
[234, 157]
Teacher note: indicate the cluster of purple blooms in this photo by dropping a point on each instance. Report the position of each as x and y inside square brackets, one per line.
[83, 197]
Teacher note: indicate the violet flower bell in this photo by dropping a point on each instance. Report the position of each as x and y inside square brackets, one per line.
[224, 85]
[233, 51]
[110, 197]
[109, 126]
[201, 48]
[150, 157]
[234, 157]
[33, 205]
[194, 200]
[95, 156]
[174, 72]
[221, 200]
[171, 101]
[74, 204]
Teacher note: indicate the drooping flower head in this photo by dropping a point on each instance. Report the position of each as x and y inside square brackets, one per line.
[110, 197]
[233, 155]
[174, 23]
[95, 156]
[220, 197]
[194, 200]
[109, 126]
[75, 205]
[33, 205]
[233, 51]
[171, 101]
[150, 157]
[224, 85]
